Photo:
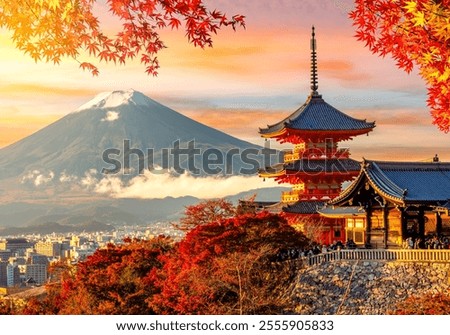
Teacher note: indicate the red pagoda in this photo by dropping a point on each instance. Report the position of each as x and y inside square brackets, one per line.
[315, 167]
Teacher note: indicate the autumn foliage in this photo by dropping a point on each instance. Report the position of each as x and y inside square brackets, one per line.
[111, 281]
[427, 304]
[227, 265]
[414, 33]
[204, 212]
[49, 30]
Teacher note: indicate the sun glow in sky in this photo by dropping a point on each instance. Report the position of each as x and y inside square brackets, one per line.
[249, 79]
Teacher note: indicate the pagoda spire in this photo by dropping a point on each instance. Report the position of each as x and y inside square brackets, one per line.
[314, 80]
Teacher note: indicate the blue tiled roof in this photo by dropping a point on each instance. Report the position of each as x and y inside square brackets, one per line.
[412, 182]
[404, 182]
[316, 114]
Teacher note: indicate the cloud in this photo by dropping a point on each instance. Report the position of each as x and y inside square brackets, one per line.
[89, 180]
[153, 186]
[150, 185]
[66, 178]
[37, 178]
[111, 116]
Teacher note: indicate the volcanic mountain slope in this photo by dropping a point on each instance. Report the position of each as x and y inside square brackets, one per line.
[75, 145]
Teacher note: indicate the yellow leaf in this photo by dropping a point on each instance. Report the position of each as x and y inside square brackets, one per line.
[67, 10]
[53, 4]
[411, 6]
[427, 57]
[444, 77]
[419, 19]
[434, 74]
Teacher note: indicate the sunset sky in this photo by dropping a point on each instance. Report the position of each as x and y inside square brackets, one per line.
[249, 79]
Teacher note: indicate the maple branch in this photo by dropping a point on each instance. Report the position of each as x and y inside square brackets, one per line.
[48, 30]
[413, 35]
[55, 39]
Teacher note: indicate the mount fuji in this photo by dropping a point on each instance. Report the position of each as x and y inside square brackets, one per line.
[55, 174]
[75, 145]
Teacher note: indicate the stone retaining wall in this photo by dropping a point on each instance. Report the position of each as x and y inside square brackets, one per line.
[363, 287]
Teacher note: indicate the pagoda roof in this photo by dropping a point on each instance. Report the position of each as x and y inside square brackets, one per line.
[402, 182]
[316, 119]
[316, 115]
[304, 207]
[313, 167]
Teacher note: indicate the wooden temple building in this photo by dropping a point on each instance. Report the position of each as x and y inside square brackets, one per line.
[316, 167]
[390, 202]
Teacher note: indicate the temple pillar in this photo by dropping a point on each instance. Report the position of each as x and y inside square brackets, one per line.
[368, 225]
[421, 220]
[386, 225]
[438, 223]
[403, 223]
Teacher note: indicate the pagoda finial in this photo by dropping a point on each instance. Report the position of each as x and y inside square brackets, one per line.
[314, 80]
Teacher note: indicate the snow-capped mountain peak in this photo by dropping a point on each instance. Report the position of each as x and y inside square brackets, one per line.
[77, 143]
[115, 99]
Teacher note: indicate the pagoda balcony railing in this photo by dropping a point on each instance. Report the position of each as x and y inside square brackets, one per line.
[292, 196]
[290, 156]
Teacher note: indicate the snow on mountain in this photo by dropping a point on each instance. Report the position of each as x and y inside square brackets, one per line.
[115, 99]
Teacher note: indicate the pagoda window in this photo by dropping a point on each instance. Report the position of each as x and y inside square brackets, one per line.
[355, 223]
[359, 223]
[350, 223]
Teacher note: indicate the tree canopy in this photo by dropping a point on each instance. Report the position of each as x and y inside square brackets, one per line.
[49, 30]
[413, 33]
[224, 266]
[206, 211]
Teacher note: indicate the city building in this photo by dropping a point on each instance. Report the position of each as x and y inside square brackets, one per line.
[12, 275]
[35, 258]
[5, 255]
[36, 272]
[16, 245]
[3, 274]
[48, 248]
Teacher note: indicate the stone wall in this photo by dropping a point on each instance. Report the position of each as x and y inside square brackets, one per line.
[364, 287]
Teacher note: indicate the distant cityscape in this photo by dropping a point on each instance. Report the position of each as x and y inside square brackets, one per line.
[25, 259]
